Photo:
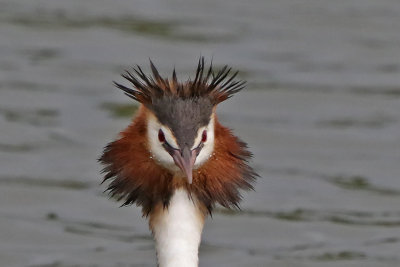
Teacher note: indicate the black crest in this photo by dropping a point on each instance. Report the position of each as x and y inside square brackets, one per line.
[216, 86]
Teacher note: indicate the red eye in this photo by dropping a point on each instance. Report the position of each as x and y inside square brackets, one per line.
[204, 136]
[161, 136]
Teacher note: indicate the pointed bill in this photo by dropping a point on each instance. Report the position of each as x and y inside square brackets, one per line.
[185, 160]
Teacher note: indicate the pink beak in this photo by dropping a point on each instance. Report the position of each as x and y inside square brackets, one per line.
[185, 160]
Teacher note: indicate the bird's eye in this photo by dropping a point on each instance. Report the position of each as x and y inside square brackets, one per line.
[161, 136]
[204, 136]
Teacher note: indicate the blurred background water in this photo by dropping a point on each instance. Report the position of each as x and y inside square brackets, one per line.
[321, 113]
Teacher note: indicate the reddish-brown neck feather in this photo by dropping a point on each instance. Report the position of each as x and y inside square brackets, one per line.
[137, 178]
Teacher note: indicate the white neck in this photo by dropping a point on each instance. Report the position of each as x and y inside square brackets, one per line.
[177, 231]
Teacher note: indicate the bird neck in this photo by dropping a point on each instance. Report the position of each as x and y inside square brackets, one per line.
[177, 230]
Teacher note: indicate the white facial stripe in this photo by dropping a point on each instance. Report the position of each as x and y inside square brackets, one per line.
[157, 150]
[198, 137]
[209, 129]
[169, 137]
[208, 147]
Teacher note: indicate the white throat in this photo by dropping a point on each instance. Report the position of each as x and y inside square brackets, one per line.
[177, 231]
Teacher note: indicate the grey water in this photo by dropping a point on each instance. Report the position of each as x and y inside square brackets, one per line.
[321, 112]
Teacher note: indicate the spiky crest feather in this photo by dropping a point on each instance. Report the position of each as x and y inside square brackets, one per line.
[217, 86]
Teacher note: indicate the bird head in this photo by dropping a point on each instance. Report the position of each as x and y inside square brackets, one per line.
[180, 117]
[180, 133]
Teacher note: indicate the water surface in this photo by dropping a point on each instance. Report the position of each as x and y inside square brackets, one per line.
[321, 114]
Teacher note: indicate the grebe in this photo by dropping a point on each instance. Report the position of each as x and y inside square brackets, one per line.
[175, 160]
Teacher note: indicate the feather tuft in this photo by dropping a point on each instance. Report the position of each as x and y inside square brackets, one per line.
[216, 85]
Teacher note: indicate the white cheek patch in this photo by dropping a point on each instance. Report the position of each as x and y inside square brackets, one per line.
[208, 147]
[197, 141]
[169, 137]
[156, 149]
